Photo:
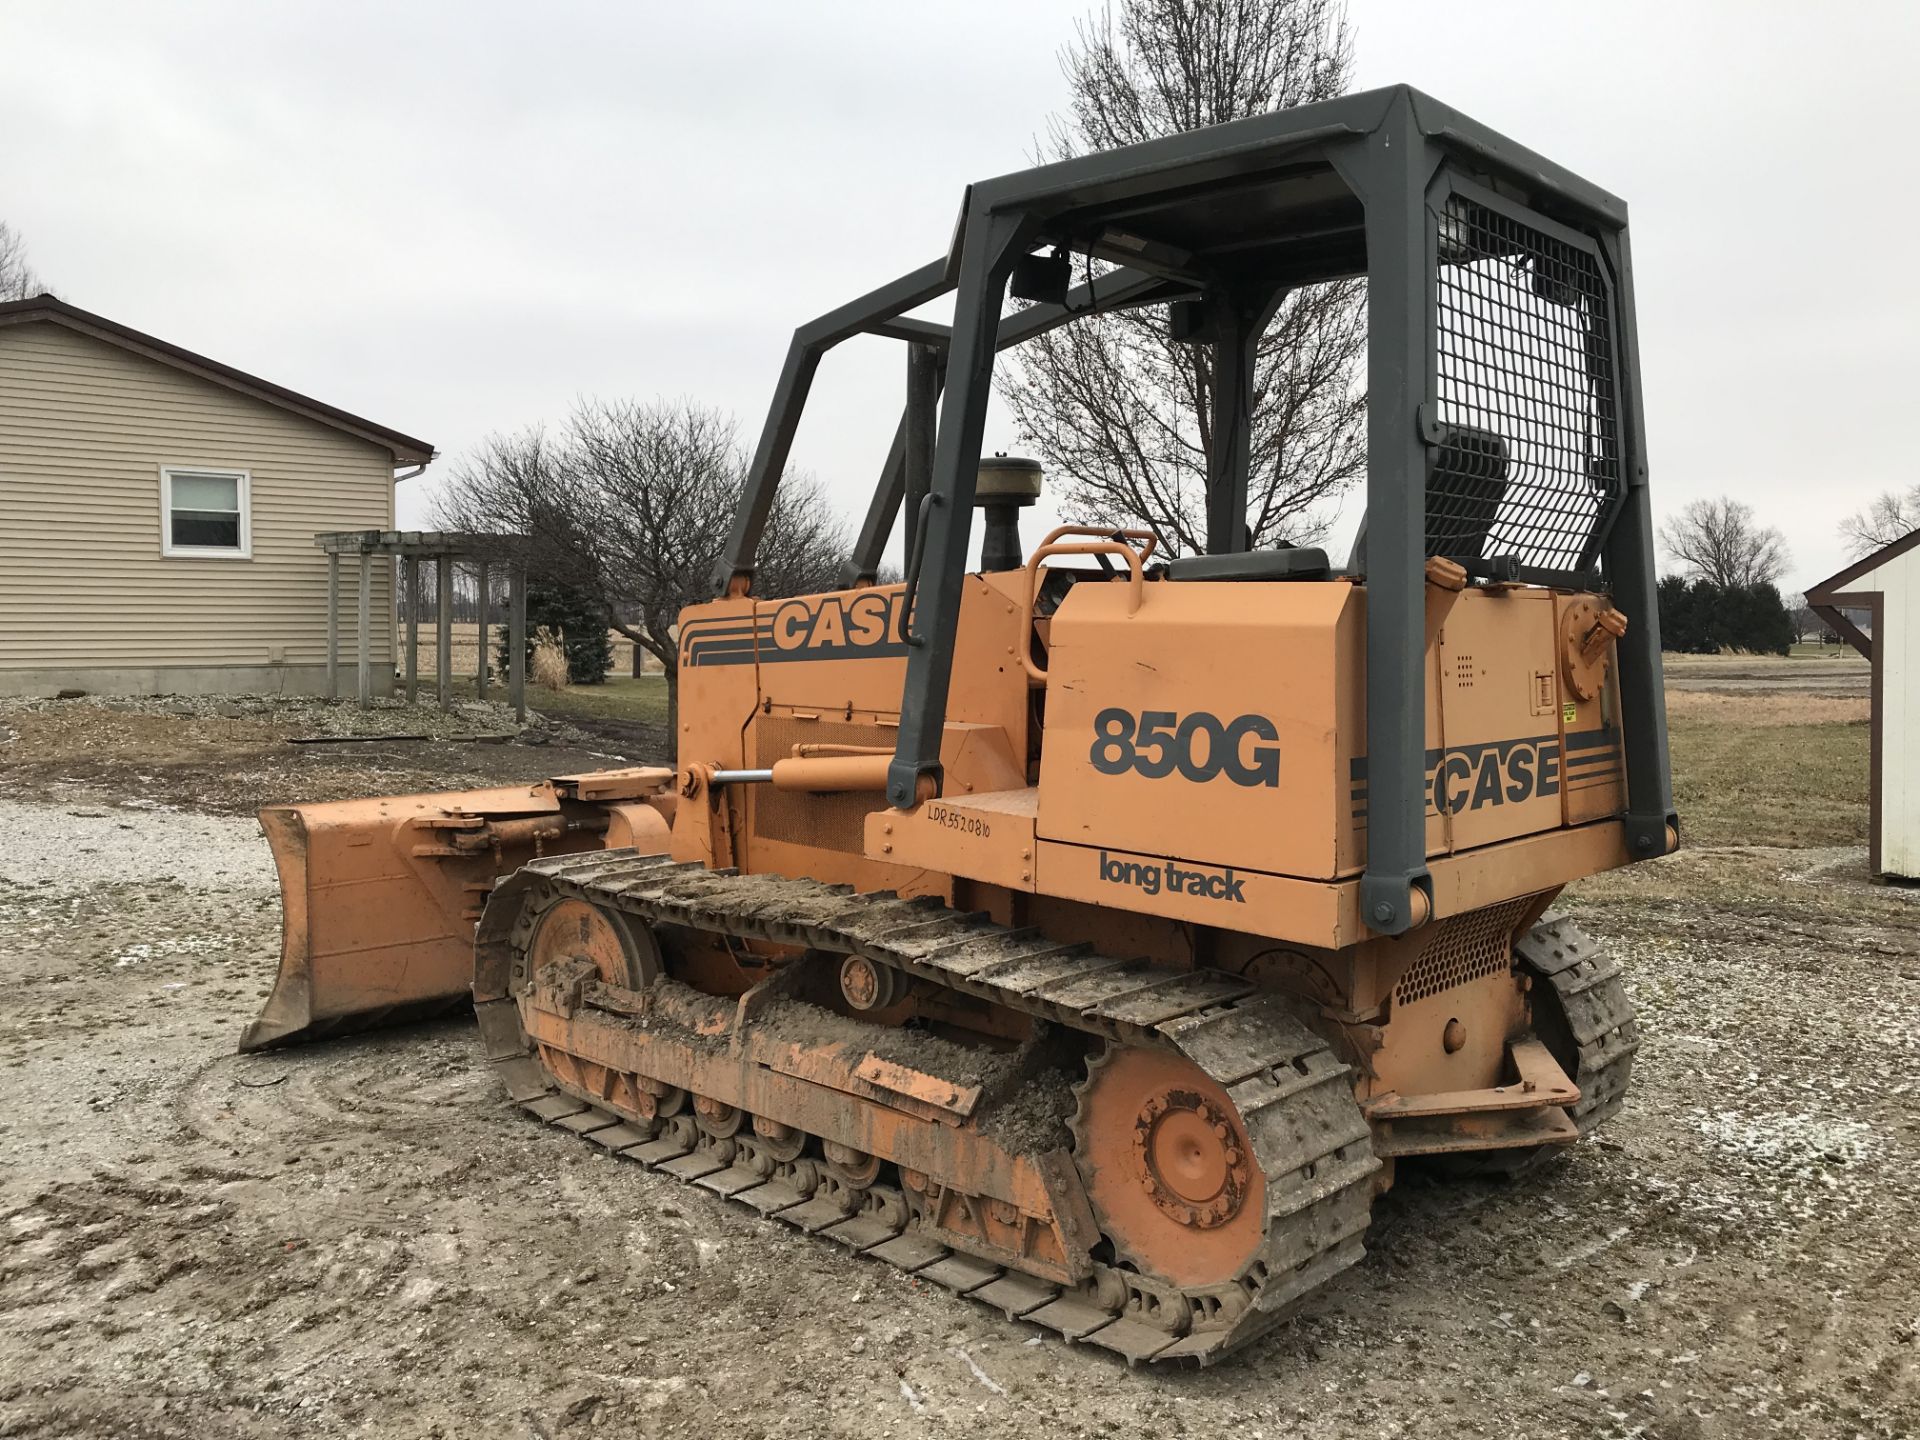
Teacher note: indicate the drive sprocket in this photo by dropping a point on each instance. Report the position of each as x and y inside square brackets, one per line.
[1168, 1166]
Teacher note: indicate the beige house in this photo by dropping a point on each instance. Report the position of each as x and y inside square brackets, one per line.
[158, 513]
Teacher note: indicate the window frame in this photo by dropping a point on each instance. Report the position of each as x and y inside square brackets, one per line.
[244, 486]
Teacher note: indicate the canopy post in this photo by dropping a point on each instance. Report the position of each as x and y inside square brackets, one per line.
[363, 652]
[517, 640]
[333, 625]
[411, 565]
[481, 582]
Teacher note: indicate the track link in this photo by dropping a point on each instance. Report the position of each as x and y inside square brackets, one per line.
[1588, 1022]
[1602, 1032]
[1294, 1096]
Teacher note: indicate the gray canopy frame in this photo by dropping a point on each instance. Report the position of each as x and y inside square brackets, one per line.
[444, 549]
[1504, 420]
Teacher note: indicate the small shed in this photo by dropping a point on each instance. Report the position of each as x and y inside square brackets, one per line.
[1886, 585]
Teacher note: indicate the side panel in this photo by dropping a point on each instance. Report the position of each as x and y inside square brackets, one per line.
[765, 680]
[719, 680]
[1222, 896]
[1200, 726]
[841, 651]
[1500, 774]
[1593, 761]
[1224, 724]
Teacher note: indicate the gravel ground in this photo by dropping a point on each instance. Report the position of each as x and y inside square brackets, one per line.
[361, 1238]
[67, 850]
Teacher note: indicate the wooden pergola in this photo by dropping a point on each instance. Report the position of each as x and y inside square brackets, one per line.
[445, 549]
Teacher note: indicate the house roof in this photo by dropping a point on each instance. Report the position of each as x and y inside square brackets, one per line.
[405, 449]
[1831, 590]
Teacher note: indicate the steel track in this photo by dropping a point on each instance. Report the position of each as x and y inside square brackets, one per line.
[1599, 1014]
[1295, 1097]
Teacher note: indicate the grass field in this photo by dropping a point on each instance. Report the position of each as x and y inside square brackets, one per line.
[1817, 652]
[1756, 771]
[621, 698]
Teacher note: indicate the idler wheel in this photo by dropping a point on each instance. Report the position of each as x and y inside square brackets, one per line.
[622, 951]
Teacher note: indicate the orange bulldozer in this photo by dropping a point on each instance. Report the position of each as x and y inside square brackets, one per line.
[1092, 931]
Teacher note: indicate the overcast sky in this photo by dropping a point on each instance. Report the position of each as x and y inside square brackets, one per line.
[454, 218]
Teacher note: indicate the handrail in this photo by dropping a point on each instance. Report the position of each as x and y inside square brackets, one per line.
[1105, 532]
[1106, 542]
[910, 589]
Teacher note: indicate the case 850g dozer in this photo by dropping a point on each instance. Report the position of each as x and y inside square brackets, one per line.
[1091, 933]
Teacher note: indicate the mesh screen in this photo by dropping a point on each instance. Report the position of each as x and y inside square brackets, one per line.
[1528, 462]
[1463, 949]
[834, 821]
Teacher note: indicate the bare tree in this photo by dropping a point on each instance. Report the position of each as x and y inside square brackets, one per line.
[1805, 622]
[1889, 517]
[631, 502]
[1114, 407]
[1720, 541]
[17, 280]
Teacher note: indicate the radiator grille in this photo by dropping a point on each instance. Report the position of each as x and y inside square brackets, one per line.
[1527, 460]
[1464, 949]
[794, 817]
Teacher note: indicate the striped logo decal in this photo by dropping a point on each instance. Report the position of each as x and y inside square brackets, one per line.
[847, 625]
[1505, 772]
[729, 640]
[1593, 758]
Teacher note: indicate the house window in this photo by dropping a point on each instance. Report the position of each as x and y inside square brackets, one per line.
[204, 512]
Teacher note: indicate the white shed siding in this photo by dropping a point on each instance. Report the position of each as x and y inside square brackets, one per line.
[1898, 642]
[84, 428]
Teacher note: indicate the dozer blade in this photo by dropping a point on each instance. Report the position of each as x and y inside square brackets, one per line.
[379, 898]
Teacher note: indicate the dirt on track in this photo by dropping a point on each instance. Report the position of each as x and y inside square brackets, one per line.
[362, 1238]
